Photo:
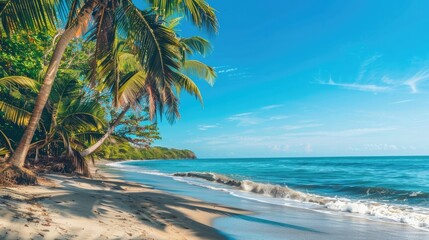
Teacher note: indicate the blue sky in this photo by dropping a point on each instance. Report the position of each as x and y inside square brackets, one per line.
[311, 78]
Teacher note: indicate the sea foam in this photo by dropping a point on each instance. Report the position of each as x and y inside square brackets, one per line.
[413, 216]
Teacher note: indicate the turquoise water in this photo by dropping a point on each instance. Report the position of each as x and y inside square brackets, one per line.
[387, 189]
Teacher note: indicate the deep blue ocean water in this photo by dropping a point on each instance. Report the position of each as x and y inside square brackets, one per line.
[393, 189]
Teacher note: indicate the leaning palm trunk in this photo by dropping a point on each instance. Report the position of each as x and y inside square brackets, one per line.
[18, 157]
[109, 132]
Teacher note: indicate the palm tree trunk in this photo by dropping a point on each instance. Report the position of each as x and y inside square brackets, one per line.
[18, 157]
[109, 132]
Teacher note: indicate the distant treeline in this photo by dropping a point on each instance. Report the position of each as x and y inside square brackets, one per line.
[125, 151]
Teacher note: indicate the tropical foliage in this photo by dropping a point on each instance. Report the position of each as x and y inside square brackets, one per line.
[126, 151]
[57, 87]
[155, 44]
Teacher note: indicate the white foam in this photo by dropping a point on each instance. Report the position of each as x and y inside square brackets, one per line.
[283, 195]
[416, 217]
[136, 169]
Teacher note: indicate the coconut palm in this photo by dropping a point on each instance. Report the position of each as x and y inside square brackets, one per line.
[143, 28]
[132, 87]
[71, 120]
[17, 115]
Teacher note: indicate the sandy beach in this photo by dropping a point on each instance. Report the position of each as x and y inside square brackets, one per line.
[67, 207]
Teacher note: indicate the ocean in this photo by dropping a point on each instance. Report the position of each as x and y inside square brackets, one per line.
[302, 198]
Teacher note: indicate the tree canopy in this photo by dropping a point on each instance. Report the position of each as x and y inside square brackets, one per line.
[116, 68]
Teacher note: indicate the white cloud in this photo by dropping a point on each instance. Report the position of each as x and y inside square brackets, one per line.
[280, 148]
[251, 118]
[242, 114]
[204, 127]
[271, 106]
[357, 86]
[382, 147]
[279, 140]
[228, 70]
[363, 74]
[279, 117]
[403, 101]
[364, 67]
[221, 67]
[245, 119]
[413, 81]
[341, 133]
[292, 148]
[301, 126]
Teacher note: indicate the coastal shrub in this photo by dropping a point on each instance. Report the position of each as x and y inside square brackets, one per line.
[125, 151]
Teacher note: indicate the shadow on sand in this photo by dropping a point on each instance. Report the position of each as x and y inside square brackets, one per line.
[152, 208]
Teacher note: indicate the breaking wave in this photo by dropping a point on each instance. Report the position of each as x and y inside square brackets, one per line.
[416, 217]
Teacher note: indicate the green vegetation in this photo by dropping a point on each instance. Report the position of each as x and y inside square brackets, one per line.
[97, 87]
[125, 151]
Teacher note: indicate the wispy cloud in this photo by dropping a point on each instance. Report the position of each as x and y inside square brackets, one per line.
[228, 70]
[220, 67]
[342, 133]
[403, 101]
[364, 67]
[301, 126]
[413, 81]
[357, 86]
[245, 119]
[290, 148]
[272, 106]
[381, 147]
[253, 118]
[364, 79]
[205, 127]
[270, 140]
[242, 114]
[232, 72]
[279, 117]
[362, 75]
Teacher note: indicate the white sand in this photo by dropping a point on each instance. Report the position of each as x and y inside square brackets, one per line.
[103, 208]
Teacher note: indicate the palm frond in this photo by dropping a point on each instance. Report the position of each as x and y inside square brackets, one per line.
[198, 11]
[7, 141]
[34, 15]
[19, 81]
[88, 138]
[186, 83]
[156, 44]
[79, 162]
[132, 87]
[82, 115]
[3, 151]
[196, 44]
[66, 88]
[171, 105]
[174, 22]
[128, 63]
[15, 114]
[201, 70]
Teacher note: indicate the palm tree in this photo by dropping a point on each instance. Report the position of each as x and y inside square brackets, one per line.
[135, 87]
[11, 112]
[143, 28]
[72, 119]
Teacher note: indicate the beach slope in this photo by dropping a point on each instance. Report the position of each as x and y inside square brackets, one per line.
[103, 208]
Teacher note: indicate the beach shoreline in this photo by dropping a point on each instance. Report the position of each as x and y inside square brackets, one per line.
[273, 217]
[105, 207]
